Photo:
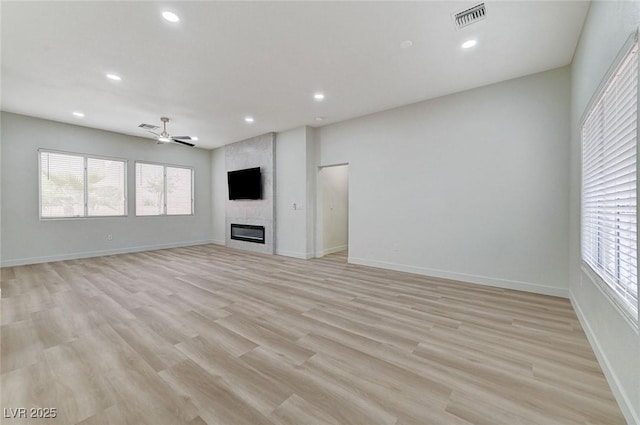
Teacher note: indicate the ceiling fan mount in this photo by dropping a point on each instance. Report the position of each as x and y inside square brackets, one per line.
[164, 136]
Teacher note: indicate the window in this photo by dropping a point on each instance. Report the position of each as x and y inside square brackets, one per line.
[163, 190]
[609, 188]
[75, 185]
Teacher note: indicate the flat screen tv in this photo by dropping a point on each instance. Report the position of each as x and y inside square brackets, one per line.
[245, 184]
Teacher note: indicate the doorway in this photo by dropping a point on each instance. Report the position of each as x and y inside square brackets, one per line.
[332, 231]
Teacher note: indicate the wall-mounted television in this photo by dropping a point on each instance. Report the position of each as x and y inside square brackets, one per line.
[245, 184]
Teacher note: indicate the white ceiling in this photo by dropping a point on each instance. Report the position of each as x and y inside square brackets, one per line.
[226, 60]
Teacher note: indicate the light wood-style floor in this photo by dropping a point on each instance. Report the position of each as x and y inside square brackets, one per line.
[210, 335]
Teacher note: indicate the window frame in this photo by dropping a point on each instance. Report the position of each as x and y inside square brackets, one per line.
[622, 305]
[164, 173]
[85, 158]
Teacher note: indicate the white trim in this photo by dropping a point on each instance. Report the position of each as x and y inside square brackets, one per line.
[339, 164]
[294, 254]
[110, 158]
[625, 404]
[88, 254]
[464, 277]
[626, 48]
[609, 294]
[164, 164]
[218, 242]
[332, 250]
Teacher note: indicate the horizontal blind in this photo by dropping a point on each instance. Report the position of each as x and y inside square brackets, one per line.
[106, 187]
[179, 191]
[61, 185]
[163, 189]
[609, 188]
[78, 185]
[149, 189]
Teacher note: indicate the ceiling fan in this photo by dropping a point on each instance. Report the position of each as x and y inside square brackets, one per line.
[165, 137]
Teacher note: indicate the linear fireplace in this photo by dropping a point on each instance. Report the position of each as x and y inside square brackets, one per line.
[247, 233]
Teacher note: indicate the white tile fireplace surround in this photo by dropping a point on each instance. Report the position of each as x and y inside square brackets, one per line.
[255, 152]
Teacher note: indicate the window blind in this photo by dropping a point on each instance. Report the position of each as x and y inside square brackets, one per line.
[61, 185]
[163, 190]
[149, 189]
[179, 190]
[609, 184]
[105, 187]
[77, 185]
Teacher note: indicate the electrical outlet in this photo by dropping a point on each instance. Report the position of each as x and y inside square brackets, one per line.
[109, 237]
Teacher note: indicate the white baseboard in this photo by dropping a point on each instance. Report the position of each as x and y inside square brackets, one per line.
[218, 242]
[334, 249]
[294, 254]
[470, 278]
[89, 254]
[632, 417]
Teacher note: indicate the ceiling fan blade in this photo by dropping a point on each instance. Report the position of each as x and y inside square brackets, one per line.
[182, 137]
[181, 142]
[148, 126]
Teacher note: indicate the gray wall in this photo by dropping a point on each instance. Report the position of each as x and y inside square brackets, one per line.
[219, 196]
[472, 186]
[295, 185]
[615, 341]
[291, 188]
[27, 239]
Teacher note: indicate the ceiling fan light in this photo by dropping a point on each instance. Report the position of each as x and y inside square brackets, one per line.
[163, 139]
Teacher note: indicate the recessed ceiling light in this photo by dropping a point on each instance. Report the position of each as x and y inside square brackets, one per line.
[406, 44]
[78, 114]
[170, 16]
[248, 120]
[114, 77]
[469, 44]
[318, 96]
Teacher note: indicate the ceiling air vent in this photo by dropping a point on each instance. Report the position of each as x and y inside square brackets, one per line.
[470, 15]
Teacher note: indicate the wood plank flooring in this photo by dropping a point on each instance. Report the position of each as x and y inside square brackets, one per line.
[210, 335]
